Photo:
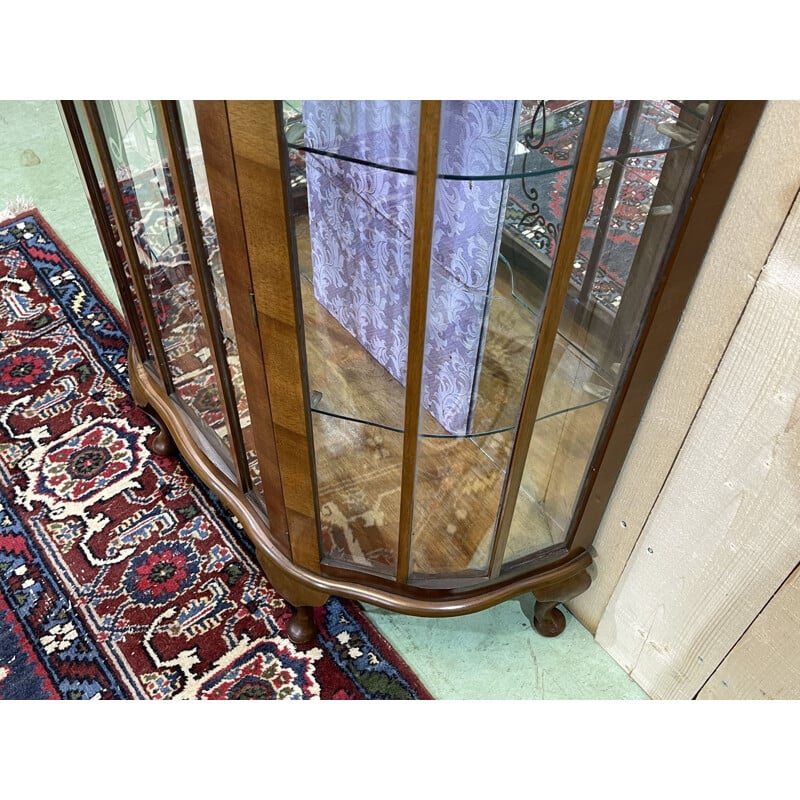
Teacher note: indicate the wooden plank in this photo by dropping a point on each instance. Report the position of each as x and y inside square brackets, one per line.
[725, 531]
[424, 202]
[758, 204]
[765, 664]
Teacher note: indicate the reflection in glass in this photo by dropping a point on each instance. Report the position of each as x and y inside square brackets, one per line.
[145, 183]
[458, 488]
[213, 269]
[353, 216]
[356, 225]
[98, 176]
[505, 171]
[634, 211]
[482, 313]
[358, 476]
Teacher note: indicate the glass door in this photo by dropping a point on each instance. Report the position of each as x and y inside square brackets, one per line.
[498, 463]
[147, 166]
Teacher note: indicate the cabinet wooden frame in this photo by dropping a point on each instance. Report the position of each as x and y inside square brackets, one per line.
[247, 167]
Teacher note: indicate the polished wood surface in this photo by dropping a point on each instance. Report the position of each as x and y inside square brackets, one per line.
[547, 618]
[256, 140]
[212, 123]
[426, 511]
[424, 203]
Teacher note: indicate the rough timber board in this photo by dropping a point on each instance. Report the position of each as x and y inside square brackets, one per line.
[725, 532]
[759, 202]
[765, 663]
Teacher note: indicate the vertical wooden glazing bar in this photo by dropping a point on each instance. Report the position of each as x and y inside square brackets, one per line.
[83, 157]
[256, 136]
[128, 246]
[169, 121]
[577, 206]
[425, 197]
[218, 158]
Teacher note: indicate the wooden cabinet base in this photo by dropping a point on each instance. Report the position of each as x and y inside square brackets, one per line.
[555, 582]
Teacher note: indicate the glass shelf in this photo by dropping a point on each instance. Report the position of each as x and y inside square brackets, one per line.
[502, 192]
[434, 353]
[347, 382]
[383, 136]
[657, 132]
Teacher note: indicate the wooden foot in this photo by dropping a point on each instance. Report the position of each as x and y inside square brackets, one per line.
[549, 620]
[303, 599]
[163, 444]
[302, 628]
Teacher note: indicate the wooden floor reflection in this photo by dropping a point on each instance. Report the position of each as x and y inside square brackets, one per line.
[459, 480]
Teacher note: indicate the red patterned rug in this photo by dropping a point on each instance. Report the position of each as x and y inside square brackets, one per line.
[536, 204]
[121, 576]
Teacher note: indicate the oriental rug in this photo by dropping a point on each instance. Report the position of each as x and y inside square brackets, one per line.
[121, 575]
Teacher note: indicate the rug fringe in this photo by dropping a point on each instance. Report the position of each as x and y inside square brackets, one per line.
[16, 206]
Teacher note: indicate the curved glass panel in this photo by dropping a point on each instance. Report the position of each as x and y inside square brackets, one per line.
[144, 180]
[98, 177]
[635, 210]
[216, 280]
[477, 354]
[353, 226]
[504, 176]
[358, 475]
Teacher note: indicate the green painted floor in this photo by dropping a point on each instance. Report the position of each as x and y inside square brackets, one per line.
[491, 655]
[37, 168]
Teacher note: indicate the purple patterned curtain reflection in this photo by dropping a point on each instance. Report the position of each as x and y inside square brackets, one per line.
[362, 223]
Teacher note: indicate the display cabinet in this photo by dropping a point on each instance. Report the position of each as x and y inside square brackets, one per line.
[407, 343]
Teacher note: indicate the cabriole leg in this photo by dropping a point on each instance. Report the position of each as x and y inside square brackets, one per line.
[549, 620]
[302, 627]
[163, 443]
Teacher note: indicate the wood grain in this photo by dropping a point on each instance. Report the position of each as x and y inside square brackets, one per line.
[212, 123]
[765, 663]
[424, 203]
[725, 532]
[757, 207]
[255, 136]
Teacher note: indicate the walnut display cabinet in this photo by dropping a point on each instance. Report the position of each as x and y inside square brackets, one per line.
[406, 343]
